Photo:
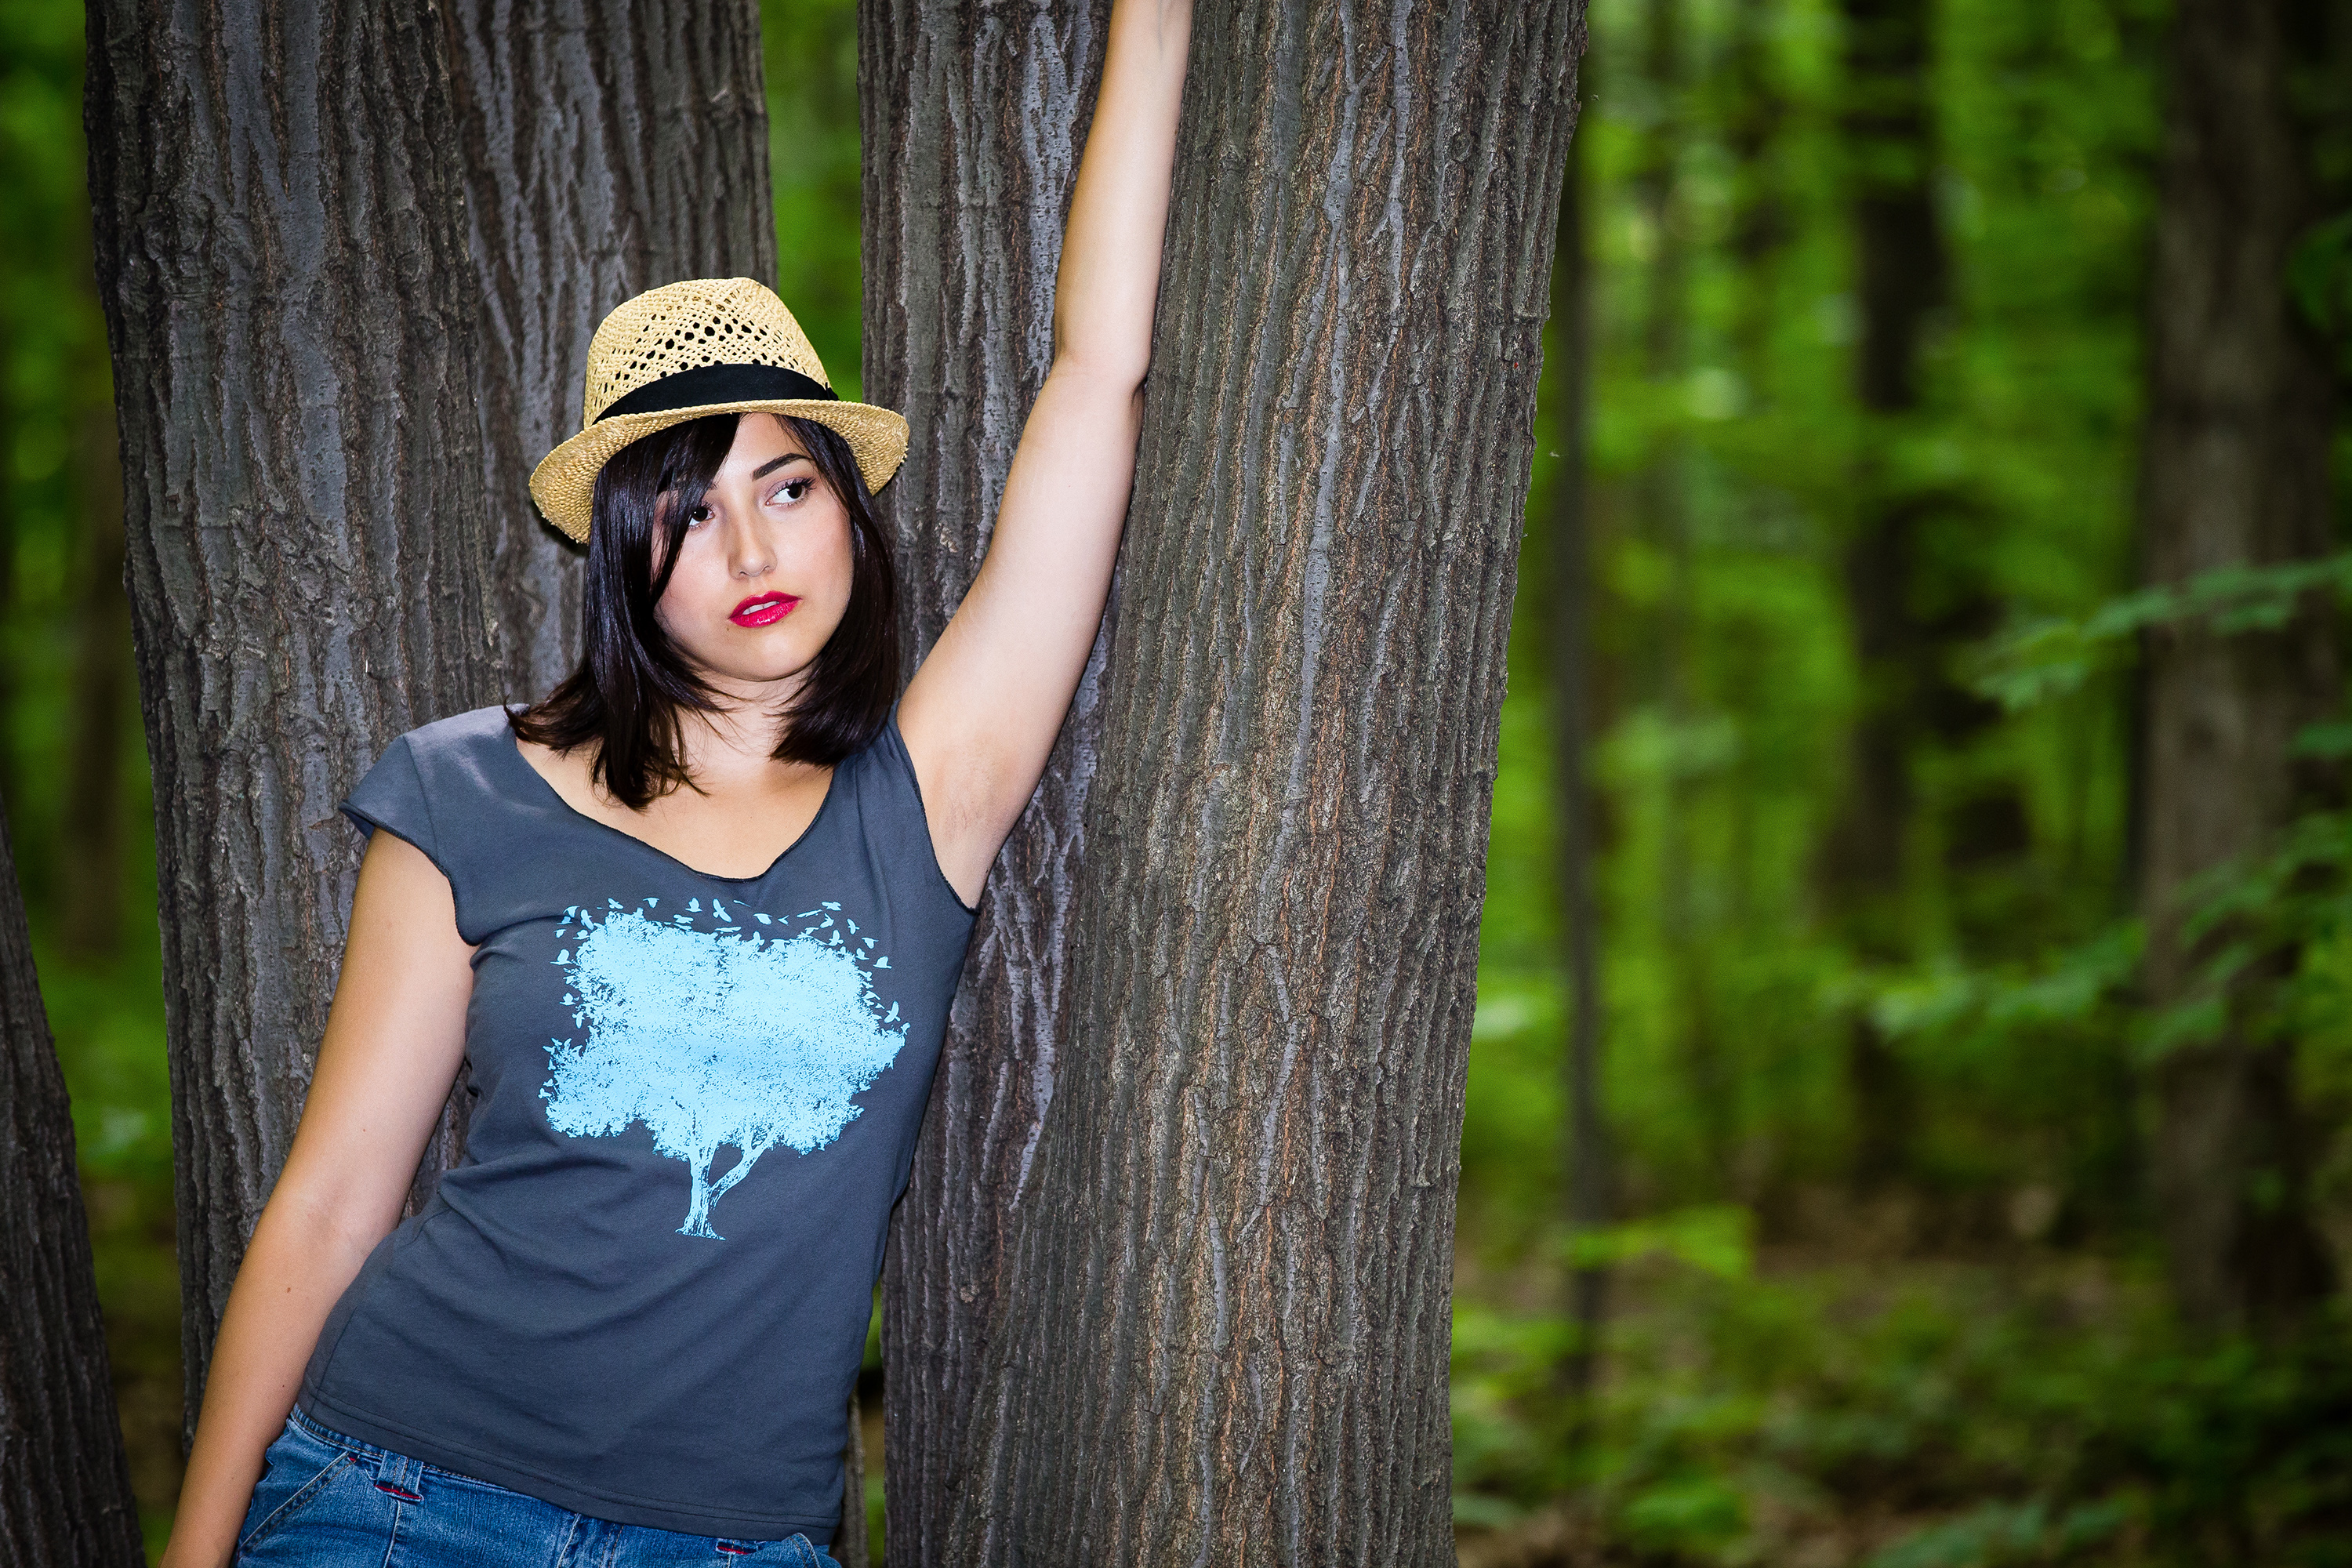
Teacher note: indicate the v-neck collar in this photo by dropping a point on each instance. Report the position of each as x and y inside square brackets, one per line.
[512, 747]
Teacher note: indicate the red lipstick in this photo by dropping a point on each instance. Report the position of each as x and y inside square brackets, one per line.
[763, 610]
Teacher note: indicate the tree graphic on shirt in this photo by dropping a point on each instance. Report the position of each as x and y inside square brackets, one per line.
[741, 1034]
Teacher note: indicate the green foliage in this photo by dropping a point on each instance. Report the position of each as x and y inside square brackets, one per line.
[2319, 277]
[2054, 657]
[1970, 1362]
[811, 49]
[1961, 1418]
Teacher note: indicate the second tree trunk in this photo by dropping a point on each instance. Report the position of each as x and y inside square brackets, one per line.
[957, 98]
[1223, 1335]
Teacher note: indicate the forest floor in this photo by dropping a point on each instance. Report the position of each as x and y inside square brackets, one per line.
[1810, 1409]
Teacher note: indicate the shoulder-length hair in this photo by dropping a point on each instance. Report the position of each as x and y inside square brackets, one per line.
[634, 683]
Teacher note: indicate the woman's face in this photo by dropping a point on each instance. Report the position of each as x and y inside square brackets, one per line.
[763, 573]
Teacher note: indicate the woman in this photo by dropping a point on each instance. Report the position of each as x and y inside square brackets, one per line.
[693, 923]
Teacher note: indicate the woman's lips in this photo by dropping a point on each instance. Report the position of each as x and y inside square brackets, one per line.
[763, 611]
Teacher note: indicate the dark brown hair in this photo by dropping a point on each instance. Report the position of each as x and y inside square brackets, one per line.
[633, 682]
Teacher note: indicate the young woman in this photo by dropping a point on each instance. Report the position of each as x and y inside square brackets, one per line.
[693, 922]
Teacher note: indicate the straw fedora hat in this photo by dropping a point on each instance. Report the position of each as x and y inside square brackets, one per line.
[708, 345]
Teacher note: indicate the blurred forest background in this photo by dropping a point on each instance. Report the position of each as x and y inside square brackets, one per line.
[1872, 1273]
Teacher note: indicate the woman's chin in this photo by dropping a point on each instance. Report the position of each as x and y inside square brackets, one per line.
[753, 679]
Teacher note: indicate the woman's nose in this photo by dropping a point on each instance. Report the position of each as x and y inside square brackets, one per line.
[747, 554]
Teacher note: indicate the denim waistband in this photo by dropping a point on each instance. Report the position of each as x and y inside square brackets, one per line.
[398, 1474]
[403, 1476]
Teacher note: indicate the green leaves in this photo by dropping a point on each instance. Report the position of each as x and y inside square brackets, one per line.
[1717, 1240]
[2054, 657]
[2319, 280]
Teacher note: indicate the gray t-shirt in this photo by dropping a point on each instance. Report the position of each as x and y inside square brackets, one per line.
[642, 1294]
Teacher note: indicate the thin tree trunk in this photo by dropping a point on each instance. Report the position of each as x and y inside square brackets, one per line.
[281, 252]
[610, 145]
[2235, 472]
[1665, 491]
[103, 680]
[852, 1545]
[65, 1486]
[1224, 1334]
[1752, 116]
[1759, 219]
[972, 117]
[1569, 619]
[1901, 265]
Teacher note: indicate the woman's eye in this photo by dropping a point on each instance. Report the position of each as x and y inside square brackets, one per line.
[697, 515]
[791, 489]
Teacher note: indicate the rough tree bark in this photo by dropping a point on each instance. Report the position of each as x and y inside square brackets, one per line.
[65, 1486]
[2234, 473]
[282, 250]
[973, 117]
[1223, 1333]
[609, 146]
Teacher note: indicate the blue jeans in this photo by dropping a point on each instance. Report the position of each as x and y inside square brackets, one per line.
[326, 1500]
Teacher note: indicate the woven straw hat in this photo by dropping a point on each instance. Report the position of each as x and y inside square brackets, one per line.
[710, 345]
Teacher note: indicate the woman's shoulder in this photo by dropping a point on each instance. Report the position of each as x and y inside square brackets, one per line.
[468, 739]
[896, 819]
[462, 732]
[882, 765]
[465, 753]
[439, 787]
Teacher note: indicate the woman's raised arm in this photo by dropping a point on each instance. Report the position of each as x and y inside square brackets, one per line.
[981, 713]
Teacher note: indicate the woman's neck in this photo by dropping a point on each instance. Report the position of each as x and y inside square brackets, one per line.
[731, 748]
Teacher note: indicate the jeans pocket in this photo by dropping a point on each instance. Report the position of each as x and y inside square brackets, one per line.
[792, 1552]
[298, 1469]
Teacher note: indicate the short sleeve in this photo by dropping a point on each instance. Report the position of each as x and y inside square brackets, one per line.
[392, 797]
[891, 759]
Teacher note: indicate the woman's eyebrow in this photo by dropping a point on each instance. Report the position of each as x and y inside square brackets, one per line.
[773, 464]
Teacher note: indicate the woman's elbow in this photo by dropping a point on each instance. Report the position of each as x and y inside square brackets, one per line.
[1104, 373]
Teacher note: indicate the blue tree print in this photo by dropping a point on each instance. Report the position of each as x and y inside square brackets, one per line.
[717, 1037]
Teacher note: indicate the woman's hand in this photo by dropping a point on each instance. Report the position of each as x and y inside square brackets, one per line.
[980, 716]
[394, 1038]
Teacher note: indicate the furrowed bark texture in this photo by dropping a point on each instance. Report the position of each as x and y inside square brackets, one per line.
[1224, 1335]
[973, 117]
[282, 250]
[2235, 473]
[65, 1486]
[609, 147]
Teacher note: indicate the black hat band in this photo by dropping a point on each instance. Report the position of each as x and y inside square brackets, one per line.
[709, 384]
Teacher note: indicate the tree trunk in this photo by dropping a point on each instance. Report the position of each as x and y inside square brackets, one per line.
[609, 147]
[1753, 114]
[1900, 263]
[1664, 492]
[973, 117]
[1568, 615]
[1223, 1333]
[2235, 473]
[281, 251]
[65, 1486]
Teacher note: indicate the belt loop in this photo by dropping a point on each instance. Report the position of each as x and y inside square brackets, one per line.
[400, 1476]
